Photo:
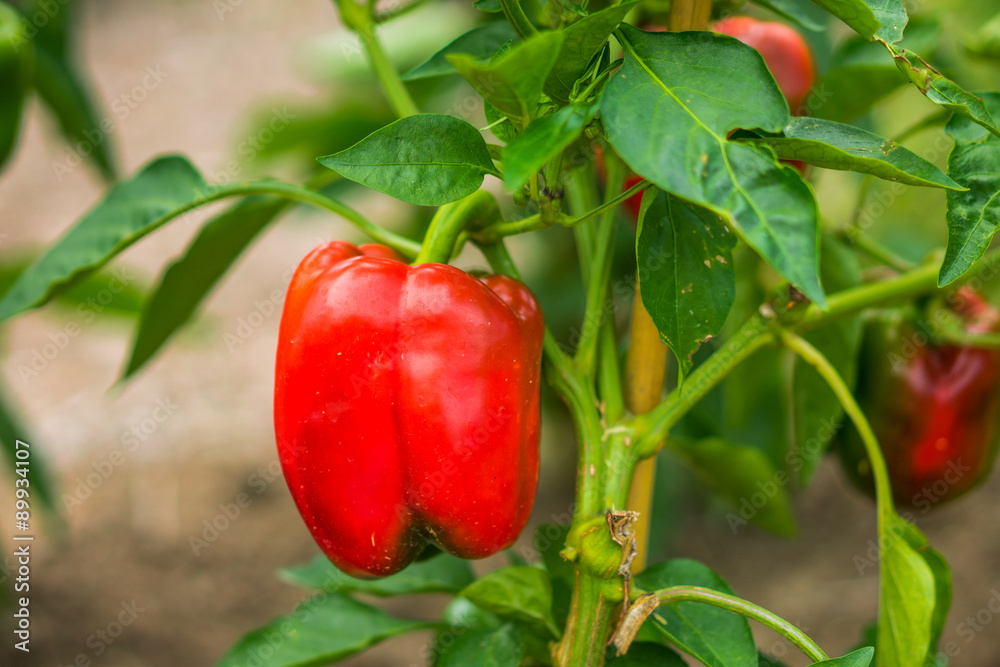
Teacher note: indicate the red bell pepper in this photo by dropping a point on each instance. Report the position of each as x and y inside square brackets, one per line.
[932, 408]
[406, 406]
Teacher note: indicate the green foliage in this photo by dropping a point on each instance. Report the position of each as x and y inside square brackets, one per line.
[512, 81]
[429, 159]
[516, 592]
[836, 146]
[686, 268]
[131, 210]
[15, 76]
[323, 629]
[714, 636]
[441, 574]
[973, 215]
[543, 140]
[726, 85]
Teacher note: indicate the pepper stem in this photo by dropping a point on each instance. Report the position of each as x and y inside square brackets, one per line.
[442, 239]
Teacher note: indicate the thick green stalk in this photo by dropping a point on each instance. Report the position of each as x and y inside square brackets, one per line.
[441, 241]
[518, 20]
[586, 634]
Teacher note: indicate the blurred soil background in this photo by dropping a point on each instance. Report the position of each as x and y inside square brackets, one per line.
[200, 414]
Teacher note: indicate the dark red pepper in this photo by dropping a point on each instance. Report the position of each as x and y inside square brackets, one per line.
[406, 406]
[932, 408]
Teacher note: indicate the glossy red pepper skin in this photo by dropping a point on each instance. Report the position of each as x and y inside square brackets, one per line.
[406, 406]
[932, 409]
[785, 53]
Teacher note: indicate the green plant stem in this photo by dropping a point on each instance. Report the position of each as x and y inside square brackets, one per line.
[585, 636]
[747, 609]
[515, 15]
[597, 287]
[401, 244]
[815, 358]
[442, 238]
[360, 20]
[609, 374]
[580, 196]
[651, 428]
[609, 205]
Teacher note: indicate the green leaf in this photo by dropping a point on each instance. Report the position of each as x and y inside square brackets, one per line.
[41, 483]
[942, 594]
[892, 15]
[835, 146]
[645, 654]
[943, 91]
[906, 596]
[817, 411]
[441, 574]
[714, 636]
[119, 292]
[512, 82]
[189, 279]
[481, 42]
[132, 209]
[428, 159]
[15, 76]
[668, 111]
[860, 658]
[974, 215]
[861, 73]
[503, 130]
[541, 141]
[581, 42]
[65, 92]
[858, 14]
[324, 629]
[745, 477]
[500, 647]
[519, 593]
[688, 284]
[489, 6]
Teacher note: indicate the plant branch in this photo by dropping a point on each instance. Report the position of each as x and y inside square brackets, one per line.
[442, 239]
[734, 604]
[401, 244]
[515, 15]
[815, 358]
